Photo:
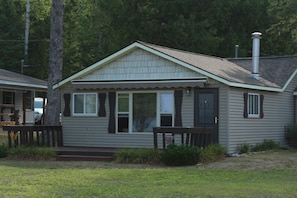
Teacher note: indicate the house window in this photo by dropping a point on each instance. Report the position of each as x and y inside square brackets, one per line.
[123, 112]
[253, 105]
[28, 100]
[85, 104]
[141, 111]
[8, 97]
[166, 109]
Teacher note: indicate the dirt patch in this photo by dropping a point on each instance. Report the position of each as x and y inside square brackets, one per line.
[267, 160]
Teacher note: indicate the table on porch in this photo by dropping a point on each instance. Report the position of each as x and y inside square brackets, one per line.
[195, 136]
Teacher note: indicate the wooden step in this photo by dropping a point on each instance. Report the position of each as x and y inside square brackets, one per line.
[83, 158]
[85, 153]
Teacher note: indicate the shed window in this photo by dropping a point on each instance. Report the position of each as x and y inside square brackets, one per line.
[85, 104]
[253, 105]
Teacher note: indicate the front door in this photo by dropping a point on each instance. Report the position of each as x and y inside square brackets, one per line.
[206, 110]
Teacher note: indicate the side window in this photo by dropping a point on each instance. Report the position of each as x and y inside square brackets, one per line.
[8, 97]
[253, 105]
[166, 109]
[123, 112]
[85, 104]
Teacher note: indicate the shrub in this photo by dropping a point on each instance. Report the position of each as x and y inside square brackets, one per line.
[212, 153]
[180, 155]
[138, 156]
[3, 150]
[292, 136]
[266, 145]
[35, 153]
[243, 148]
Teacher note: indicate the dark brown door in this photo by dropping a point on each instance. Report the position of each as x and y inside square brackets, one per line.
[206, 110]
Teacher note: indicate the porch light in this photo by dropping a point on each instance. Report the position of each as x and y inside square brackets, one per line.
[188, 91]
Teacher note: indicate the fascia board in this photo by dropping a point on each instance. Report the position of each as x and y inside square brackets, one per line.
[290, 80]
[17, 84]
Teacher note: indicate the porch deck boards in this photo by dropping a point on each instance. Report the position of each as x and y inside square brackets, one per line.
[68, 153]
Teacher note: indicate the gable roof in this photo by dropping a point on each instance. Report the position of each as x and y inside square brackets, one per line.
[231, 73]
[14, 80]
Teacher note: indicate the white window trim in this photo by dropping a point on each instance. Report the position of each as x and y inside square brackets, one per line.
[84, 113]
[250, 115]
[130, 113]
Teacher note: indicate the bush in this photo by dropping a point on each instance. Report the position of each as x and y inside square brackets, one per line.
[266, 145]
[35, 153]
[180, 155]
[243, 148]
[138, 156]
[292, 136]
[3, 150]
[212, 153]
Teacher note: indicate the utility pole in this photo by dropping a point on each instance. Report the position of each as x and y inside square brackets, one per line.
[26, 36]
[27, 27]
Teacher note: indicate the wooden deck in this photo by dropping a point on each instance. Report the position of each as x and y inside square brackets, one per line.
[69, 153]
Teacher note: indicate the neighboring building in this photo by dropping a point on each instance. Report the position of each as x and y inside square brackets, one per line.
[17, 97]
[117, 101]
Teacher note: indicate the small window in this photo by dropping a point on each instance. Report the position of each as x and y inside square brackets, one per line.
[8, 97]
[253, 105]
[123, 113]
[85, 104]
[166, 109]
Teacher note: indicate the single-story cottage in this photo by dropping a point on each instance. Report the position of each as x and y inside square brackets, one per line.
[17, 94]
[117, 101]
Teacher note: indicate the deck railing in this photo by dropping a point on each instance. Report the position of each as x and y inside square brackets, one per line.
[195, 136]
[40, 135]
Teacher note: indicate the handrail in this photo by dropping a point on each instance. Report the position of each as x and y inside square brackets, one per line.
[36, 135]
[195, 136]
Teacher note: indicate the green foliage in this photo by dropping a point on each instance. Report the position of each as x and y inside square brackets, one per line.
[212, 153]
[243, 148]
[180, 155]
[138, 156]
[265, 146]
[292, 136]
[34, 153]
[3, 150]
[95, 29]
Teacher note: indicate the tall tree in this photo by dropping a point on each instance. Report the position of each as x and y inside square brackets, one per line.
[283, 31]
[55, 63]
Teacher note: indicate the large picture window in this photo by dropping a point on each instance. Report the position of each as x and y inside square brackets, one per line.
[141, 111]
[85, 104]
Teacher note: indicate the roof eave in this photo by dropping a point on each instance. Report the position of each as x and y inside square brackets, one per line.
[24, 85]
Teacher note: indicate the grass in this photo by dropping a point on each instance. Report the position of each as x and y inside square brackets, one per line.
[3, 137]
[27, 178]
[98, 179]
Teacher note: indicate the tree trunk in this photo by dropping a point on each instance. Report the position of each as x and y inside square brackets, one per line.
[55, 63]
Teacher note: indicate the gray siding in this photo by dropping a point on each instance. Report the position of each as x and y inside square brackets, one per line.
[140, 64]
[278, 112]
[93, 131]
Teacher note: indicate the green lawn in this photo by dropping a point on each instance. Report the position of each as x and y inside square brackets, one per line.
[3, 137]
[98, 179]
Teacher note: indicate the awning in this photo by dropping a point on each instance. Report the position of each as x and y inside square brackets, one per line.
[139, 84]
